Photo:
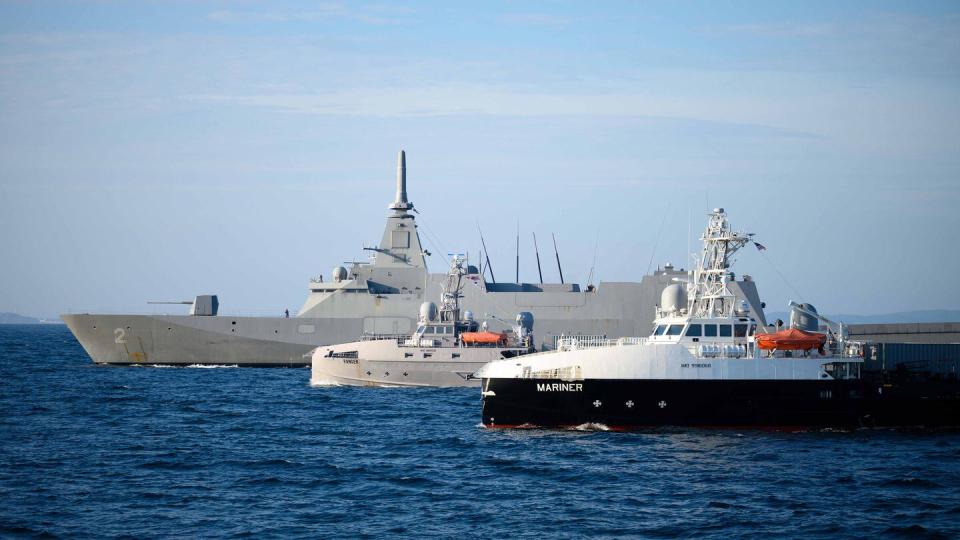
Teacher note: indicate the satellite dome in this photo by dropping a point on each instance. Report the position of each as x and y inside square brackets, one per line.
[339, 274]
[428, 312]
[673, 298]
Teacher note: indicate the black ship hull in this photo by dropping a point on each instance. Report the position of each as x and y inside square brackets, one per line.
[774, 404]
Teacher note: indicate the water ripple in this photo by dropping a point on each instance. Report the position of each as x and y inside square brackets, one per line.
[259, 453]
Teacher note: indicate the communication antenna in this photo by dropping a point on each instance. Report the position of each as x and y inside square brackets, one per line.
[596, 246]
[486, 254]
[557, 253]
[518, 252]
[537, 251]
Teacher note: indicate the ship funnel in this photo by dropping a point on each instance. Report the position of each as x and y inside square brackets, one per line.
[400, 201]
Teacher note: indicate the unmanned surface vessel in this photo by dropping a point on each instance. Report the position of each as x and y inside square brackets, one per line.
[444, 350]
[708, 362]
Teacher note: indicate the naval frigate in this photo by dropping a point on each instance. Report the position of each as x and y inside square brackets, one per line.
[379, 297]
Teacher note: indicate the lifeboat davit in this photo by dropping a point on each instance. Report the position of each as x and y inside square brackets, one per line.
[791, 339]
[484, 338]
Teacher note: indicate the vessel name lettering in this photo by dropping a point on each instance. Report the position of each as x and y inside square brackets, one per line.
[559, 387]
[350, 361]
[695, 365]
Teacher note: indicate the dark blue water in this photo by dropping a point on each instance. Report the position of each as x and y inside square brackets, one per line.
[148, 452]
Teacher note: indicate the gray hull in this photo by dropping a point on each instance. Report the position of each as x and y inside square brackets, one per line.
[613, 310]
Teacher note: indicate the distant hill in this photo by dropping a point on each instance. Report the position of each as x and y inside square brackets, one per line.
[14, 318]
[921, 316]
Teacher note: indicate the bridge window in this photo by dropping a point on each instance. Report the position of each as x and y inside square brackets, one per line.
[710, 330]
[675, 330]
[694, 330]
[660, 330]
[725, 330]
[739, 330]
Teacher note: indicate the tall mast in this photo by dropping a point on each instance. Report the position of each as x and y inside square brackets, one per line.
[537, 251]
[557, 253]
[453, 289]
[708, 292]
[400, 203]
[486, 254]
[518, 252]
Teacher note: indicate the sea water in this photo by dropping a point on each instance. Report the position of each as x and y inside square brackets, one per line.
[146, 452]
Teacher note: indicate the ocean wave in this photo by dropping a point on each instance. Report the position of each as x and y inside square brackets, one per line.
[590, 426]
[212, 366]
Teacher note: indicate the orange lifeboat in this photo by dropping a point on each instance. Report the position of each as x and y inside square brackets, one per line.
[791, 339]
[484, 338]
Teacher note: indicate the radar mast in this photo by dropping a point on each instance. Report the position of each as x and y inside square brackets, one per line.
[708, 293]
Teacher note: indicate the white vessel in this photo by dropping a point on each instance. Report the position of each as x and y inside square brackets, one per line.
[708, 362]
[444, 350]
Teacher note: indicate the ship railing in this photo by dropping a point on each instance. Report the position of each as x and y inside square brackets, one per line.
[399, 338]
[573, 343]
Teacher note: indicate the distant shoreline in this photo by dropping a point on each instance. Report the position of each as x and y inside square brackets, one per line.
[16, 318]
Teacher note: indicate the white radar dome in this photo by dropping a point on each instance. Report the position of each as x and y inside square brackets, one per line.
[339, 274]
[428, 311]
[673, 298]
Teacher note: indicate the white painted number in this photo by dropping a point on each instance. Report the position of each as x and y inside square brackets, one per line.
[121, 335]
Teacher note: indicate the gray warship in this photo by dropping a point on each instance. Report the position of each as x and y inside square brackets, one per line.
[379, 297]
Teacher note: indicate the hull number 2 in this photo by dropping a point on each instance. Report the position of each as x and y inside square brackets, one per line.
[121, 335]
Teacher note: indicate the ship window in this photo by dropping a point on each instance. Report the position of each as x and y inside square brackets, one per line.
[710, 330]
[419, 329]
[660, 330]
[455, 355]
[431, 330]
[694, 330]
[427, 355]
[753, 329]
[739, 330]
[675, 330]
[725, 330]
[407, 354]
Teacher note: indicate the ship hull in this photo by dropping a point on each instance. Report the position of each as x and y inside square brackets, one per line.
[187, 340]
[778, 404]
[386, 363]
[614, 310]
[183, 340]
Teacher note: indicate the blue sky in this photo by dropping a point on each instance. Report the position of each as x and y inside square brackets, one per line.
[161, 150]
